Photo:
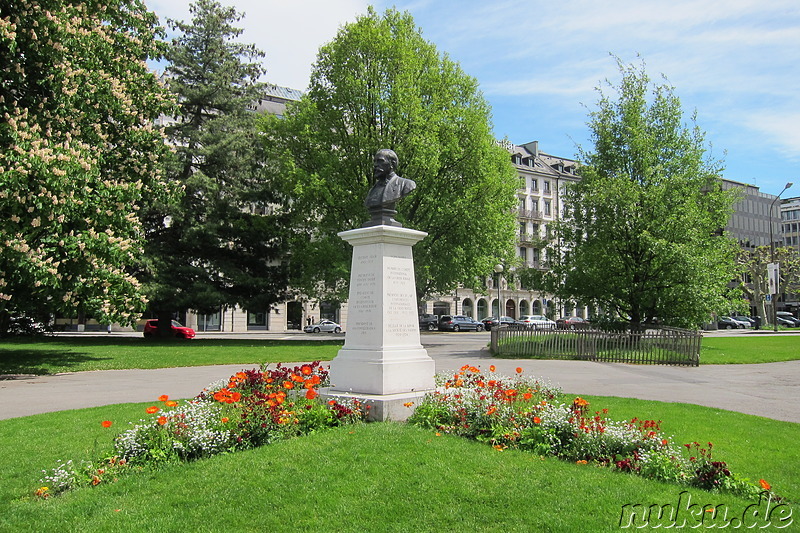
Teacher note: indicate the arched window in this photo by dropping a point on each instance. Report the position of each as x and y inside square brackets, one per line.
[483, 309]
[466, 308]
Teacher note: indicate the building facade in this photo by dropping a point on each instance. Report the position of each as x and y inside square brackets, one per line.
[542, 178]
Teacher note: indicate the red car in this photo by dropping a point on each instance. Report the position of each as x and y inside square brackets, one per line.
[178, 330]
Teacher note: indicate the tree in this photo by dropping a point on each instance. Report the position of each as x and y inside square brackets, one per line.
[78, 155]
[640, 237]
[755, 278]
[379, 84]
[221, 244]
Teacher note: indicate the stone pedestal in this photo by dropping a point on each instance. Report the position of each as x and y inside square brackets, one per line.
[382, 360]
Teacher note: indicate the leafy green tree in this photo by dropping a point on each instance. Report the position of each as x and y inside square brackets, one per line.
[639, 237]
[78, 155]
[755, 278]
[379, 84]
[221, 244]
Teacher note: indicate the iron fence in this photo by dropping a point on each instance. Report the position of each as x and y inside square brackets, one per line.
[651, 345]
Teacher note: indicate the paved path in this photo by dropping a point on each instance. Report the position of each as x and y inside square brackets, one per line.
[771, 390]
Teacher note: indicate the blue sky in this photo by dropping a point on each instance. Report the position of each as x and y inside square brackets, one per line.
[538, 63]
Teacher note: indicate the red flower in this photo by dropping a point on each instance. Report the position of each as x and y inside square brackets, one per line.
[224, 419]
[163, 398]
[519, 370]
[537, 420]
[106, 423]
[311, 394]
[491, 368]
[152, 409]
[527, 395]
[162, 420]
[306, 370]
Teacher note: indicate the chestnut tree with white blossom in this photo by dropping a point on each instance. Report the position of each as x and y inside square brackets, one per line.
[79, 154]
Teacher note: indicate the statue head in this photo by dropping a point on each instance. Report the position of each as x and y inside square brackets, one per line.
[384, 163]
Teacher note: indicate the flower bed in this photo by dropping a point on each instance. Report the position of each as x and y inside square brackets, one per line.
[530, 414]
[252, 408]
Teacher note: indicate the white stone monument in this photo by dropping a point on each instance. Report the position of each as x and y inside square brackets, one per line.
[382, 361]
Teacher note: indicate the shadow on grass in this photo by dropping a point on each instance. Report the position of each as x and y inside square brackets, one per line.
[37, 361]
[39, 355]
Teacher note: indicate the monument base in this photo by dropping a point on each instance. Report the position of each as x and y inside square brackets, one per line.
[382, 407]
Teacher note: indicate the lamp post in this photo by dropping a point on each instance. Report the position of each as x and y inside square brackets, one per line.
[772, 259]
[499, 269]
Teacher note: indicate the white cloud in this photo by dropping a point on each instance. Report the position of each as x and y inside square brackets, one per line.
[288, 32]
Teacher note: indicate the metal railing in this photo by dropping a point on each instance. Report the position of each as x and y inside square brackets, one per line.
[653, 346]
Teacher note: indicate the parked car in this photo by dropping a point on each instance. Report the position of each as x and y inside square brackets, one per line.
[429, 322]
[572, 322]
[493, 322]
[537, 321]
[788, 316]
[726, 322]
[746, 320]
[328, 326]
[459, 323]
[178, 329]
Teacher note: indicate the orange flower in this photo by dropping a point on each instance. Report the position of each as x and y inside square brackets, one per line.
[579, 402]
[236, 396]
[297, 378]
[152, 409]
[527, 395]
[519, 370]
[581, 462]
[537, 420]
[288, 385]
[162, 420]
[311, 394]
[438, 434]
[170, 403]
[308, 384]
[106, 423]
[306, 370]
[408, 404]
[331, 402]
[664, 442]
[95, 481]
[224, 419]
[163, 398]
[492, 410]
[764, 484]
[492, 368]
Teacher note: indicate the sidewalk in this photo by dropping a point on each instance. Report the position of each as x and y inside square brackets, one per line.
[770, 390]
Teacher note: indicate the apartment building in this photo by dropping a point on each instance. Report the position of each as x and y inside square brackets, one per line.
[542, 178]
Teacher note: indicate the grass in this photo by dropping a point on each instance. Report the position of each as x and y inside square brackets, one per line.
[749, 349]
[376, 477]
[50, 355]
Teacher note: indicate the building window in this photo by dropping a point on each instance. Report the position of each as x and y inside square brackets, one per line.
[210, 322]
[257, 320]
[523, 253]
[547, 207]
[546, 187]
[522, 204]
[534, 184]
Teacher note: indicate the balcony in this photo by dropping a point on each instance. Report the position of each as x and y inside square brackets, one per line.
[532, 240]
[529, 214]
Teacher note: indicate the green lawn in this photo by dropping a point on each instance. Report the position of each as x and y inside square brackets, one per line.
[49, 355]
[749, 349]
[376, 477]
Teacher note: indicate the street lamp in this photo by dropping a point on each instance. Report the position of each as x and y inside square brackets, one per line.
[772, 258]
[499, 269]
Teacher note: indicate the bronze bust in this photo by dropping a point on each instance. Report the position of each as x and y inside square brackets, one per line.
[387, 190]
